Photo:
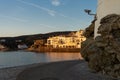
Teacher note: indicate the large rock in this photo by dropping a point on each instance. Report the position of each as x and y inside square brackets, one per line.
[103, 52]
[89, 32]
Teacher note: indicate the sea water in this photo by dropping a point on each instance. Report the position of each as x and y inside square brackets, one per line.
[17, 58]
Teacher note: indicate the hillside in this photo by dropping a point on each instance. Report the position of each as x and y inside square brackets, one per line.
[29, 39]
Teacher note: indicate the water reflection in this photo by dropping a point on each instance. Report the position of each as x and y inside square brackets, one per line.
[16, 58]
[63, 56]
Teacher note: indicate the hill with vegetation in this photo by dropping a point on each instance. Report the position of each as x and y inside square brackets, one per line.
[12, 42]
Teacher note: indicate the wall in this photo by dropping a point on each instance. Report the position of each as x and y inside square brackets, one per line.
[104, 8]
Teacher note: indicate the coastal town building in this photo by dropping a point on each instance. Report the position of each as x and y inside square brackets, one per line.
[71, 41]
[2, 46]
[104, 8]
[22, 46]
[40, 42]
[62, 43]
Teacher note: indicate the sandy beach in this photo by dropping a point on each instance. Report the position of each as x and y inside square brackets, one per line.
[64, 70]
[12, 72]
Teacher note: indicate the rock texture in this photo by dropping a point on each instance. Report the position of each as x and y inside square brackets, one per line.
[103, 52]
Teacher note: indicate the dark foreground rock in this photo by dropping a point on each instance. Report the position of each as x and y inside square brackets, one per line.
[103, 52]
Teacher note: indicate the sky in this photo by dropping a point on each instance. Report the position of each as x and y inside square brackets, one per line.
[24, 17]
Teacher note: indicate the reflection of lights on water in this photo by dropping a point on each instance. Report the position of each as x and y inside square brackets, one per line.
[63, 56]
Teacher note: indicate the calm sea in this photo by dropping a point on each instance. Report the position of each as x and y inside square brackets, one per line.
[17, 58]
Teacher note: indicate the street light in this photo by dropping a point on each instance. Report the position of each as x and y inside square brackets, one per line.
[89, 12]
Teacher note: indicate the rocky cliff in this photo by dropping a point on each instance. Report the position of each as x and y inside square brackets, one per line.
[103, 52]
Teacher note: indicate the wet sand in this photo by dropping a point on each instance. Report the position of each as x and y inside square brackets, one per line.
[64, 70]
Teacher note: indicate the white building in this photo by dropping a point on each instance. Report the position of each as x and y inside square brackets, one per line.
[104, 8]
[71, 41]
[2, 47]
[22, 46]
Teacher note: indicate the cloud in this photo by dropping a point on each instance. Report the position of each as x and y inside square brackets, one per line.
[52, 13]
[49, 11]
[13, 18]
[55, 2]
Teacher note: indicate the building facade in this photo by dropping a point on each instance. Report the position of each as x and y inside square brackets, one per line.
[2, 46]
[104, 8]
[73, 41]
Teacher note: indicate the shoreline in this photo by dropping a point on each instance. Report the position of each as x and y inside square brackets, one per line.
[49, 49]
[65, 70]
[10, 73]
